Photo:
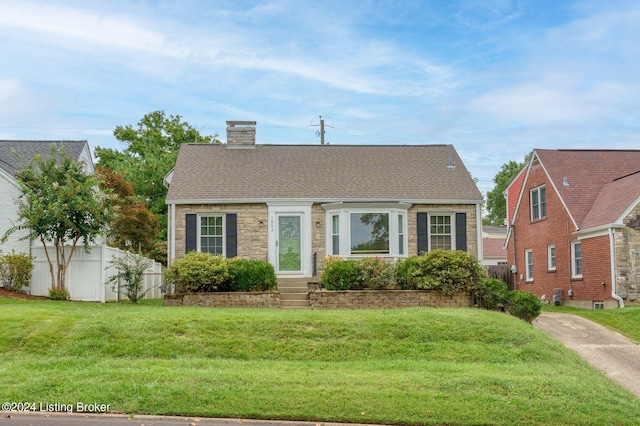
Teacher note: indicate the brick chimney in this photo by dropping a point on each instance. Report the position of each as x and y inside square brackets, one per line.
[241, 134]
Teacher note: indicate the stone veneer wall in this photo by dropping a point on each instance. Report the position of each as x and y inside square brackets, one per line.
[627, 249]
[387, 299]
[469, 209]
[252, 238]
[225, 300]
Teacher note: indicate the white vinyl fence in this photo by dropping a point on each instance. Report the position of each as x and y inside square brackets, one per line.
[88, 273]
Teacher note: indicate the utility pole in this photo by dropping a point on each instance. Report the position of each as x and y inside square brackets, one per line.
[321, 131]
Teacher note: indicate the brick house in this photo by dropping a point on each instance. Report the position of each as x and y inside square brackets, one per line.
[574, 230]
[293, 204]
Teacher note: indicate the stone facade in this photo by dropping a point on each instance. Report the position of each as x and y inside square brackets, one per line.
[252, 236]
[225, 300]
[386, 299]
[627, 249]
[469, 209]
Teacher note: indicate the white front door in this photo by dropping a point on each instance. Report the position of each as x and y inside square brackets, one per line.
[290, 239]
[289, 243]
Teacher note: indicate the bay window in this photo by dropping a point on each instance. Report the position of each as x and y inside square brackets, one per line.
[367, 229]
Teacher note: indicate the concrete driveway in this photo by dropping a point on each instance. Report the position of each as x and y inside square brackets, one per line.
[608, 351]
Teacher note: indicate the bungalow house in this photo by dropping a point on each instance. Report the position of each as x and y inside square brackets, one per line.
[574, 234]
[292, 205]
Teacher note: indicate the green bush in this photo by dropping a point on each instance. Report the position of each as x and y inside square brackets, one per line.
[250, 275]
[342, 275]
[15, 270]
[198, 272]
[491, 294]
[450, 271]
[524, 305]
[128, 279]
[376, 274]
[58, 294]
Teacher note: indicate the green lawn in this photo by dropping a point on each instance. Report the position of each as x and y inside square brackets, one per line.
[405, 366]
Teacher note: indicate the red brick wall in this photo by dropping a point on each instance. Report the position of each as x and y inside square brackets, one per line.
[557, 229]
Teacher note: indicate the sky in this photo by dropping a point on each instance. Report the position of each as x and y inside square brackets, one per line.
[493, 78]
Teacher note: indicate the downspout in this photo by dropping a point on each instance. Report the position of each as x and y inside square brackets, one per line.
[613, 269]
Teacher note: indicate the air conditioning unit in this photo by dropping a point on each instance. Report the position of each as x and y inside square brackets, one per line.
[557, 296]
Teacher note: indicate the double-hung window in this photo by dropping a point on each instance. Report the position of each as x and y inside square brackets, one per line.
[551, 257]
[440, 232]
[335, 234]
[538, 203]
[211, 234]
[576, 259]
[528, 258]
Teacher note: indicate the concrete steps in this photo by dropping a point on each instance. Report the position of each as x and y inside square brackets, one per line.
[294, 293]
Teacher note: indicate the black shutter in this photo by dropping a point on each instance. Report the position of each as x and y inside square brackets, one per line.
[191, 232]
[423, 233]
[232, 235]
[461, 231]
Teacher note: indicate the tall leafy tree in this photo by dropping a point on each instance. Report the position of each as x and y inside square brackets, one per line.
[135, 228]
[151, 152]
[60, 206]
[496, 205]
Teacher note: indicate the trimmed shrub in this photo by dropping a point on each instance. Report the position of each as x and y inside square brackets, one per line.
[450, 271]
[58, 293]
[15, 270]
[342, 275]
[376, 274]
[250, 275]
[198, 272]
[524, 305]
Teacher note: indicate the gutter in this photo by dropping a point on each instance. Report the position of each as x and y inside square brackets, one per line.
[613, 269]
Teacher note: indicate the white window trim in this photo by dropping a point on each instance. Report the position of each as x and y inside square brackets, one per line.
[541, 216]
[344, 211]
[573, 259]
[224, 231]
[551, 266]
[528, 274]
[452, 220]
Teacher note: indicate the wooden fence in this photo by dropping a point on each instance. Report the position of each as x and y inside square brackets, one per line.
[502, 272]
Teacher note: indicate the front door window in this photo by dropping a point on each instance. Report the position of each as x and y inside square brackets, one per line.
[289, 243]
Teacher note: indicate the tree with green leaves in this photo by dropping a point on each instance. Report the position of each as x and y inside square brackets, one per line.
[60, 205]
[151, 152]
[496, 205]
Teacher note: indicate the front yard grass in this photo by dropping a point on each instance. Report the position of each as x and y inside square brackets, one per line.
[404, 366]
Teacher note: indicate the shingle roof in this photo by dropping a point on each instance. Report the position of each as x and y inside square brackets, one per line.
[15, 154]
[212, 172]
[613, 200]
[493, 247]
[587, 173]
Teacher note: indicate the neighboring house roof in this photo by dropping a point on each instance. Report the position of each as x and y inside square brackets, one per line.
[217, 173]
[579, 176]
[494, 231]
[16, 154]
[493, 248]
[512, 191]
[614, 200]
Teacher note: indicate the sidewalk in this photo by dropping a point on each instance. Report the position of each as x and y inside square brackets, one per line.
[610, 352]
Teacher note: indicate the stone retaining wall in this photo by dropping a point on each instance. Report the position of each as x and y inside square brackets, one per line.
[387, 299]
[225, 300]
